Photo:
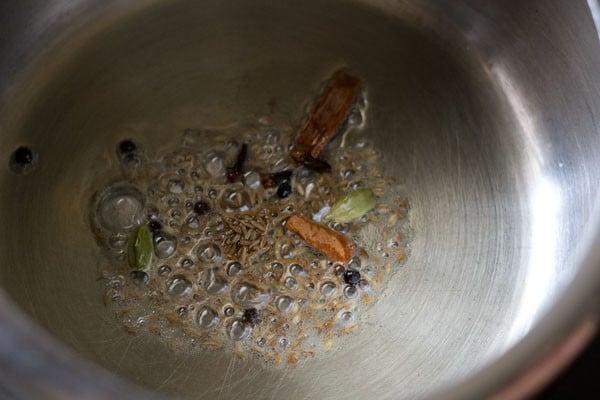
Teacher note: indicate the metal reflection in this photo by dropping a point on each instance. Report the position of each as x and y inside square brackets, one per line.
[545, 203]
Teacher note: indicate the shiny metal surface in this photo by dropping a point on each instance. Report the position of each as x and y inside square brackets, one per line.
[487, 111]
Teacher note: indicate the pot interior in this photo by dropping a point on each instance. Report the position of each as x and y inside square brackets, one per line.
[463, 128]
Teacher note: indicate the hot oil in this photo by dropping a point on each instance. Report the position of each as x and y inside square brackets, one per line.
[146, 88]
[226, 272]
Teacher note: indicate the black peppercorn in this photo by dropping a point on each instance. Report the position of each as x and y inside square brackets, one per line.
[284, 190]
[351, 276]
[201, 208]
[127, 146]
[154, 226]
[23, 156]
[22, 160]
[275, 179]
[250, 316]
[281, 177]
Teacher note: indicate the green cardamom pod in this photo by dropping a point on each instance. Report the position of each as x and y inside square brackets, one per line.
[141, 248]
[353, 205]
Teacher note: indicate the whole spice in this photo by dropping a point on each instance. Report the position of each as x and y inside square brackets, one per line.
[284, 190]
[154, 226]
[22, 160]
[275, 179]
[234, 173]
[140, 248]
[127, 146]
[128, 152]
[353, 205]
[264, 291]
[251, 316]
[351, 276]
[332, 244]
[327, 115]
[23, 156]
[316, 164]
[201, 208]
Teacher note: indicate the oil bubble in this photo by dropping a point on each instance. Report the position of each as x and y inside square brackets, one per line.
[206, 317]
[238, 330]
[187, 263]
[290, 283]
[284, 304]
[164, 270]
[175, 186]
[228, 311]
[296, 269]
[164, 245]
[119, 208]
[248, 295]
[214, 165]
[234, 268]
[179, 286]
[328, 289]
[350, 291]
[213, 282]
[209, 253]
[139, 278]
[235, 200]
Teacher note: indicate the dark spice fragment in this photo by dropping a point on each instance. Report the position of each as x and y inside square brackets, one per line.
[234, 173]
[284, 190]
[275, 179]
[351, 277]
[201, 208]
[23, 156]
[154, 226]
[23, 160]
[250, 316]
[128, 153]
[127, 146]
[316, 164]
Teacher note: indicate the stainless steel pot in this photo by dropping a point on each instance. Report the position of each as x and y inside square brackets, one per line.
[486, 110]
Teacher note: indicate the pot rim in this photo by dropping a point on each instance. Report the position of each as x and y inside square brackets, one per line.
[37, 363]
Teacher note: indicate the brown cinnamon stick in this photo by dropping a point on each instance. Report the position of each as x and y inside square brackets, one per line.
[327, 114]
[333, 244]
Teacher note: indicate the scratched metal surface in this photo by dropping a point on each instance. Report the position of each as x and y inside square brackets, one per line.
[486, 111]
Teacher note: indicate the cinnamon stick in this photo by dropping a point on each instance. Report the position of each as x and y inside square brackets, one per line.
[326, 116]
[333, 244]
